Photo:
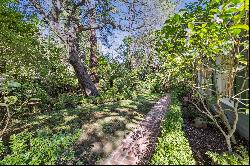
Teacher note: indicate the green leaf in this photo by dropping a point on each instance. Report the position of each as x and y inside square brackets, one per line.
[176, 17]
[214, 11]
[190, 25]
[235, 32]
[203, 25]
[14, 84]
[35, 99]
[232, 10]
[204, 30]
[240, 26]
[11, 99]
[217, 1]
[236, 1]
[245, 6]
[201, 35]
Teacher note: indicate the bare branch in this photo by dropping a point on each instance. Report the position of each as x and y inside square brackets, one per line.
[80, 3]
[50, 20]
[7, 121]
[82, 28]
[240, 93]
[56, 9]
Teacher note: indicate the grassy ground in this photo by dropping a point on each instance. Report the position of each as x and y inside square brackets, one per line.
[99, 128]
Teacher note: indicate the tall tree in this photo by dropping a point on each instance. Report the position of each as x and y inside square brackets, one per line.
[68, 19]
[141, 18]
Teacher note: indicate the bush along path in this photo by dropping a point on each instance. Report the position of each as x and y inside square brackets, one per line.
[173, 146]
[138, 146]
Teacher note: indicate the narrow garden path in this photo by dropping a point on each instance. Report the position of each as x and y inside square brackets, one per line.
[138, 146]
[104, 127]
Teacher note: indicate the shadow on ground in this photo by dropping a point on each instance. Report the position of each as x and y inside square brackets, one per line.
[102, 127]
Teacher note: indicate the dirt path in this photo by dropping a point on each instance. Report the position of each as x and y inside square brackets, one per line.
[138, 146]
[103, 128]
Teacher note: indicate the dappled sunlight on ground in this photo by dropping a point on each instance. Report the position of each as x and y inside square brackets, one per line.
[102, 127]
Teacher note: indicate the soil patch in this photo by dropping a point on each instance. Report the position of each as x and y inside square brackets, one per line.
[205, 139]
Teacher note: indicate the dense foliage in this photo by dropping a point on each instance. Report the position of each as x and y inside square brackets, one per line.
[239, 158]
[41, 149]
[173, 146]
[205, 47]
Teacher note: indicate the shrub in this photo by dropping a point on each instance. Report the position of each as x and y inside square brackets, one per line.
[173, 146]
[28, 148]
[239, 158]
[67, 100]
[25, 92]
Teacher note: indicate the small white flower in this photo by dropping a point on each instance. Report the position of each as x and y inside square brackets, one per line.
[226, 52]
[238, 6]
[189, 32]
[229, 42]
[178, 58]
[220, 8]
[217, 19]
[187, 44]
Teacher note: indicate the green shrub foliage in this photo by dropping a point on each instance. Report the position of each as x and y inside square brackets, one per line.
[173, 147]
[240, 157]
[28, 148]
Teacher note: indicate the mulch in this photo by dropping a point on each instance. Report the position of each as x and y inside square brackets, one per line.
[206, 139]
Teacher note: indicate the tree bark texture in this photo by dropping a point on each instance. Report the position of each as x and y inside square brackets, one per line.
[93, 50]
[81, 71]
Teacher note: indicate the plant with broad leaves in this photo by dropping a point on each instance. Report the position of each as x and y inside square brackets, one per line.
[206, 46]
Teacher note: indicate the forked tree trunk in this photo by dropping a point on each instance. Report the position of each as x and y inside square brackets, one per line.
[227, 124]
[81, 72]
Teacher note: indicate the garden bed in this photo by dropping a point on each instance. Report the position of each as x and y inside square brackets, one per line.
[172, 146]
[206, 138]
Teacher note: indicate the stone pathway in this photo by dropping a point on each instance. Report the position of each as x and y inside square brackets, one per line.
[137, 147]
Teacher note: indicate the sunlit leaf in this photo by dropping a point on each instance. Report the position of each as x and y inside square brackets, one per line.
[240, 26]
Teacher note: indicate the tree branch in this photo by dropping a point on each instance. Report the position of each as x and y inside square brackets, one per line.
[82, 28]
[50, 20]
[7, 121]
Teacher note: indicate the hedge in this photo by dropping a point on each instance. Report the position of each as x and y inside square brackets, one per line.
[172, 146]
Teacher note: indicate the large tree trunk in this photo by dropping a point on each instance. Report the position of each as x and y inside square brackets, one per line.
[81, 72]
[93, 50]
